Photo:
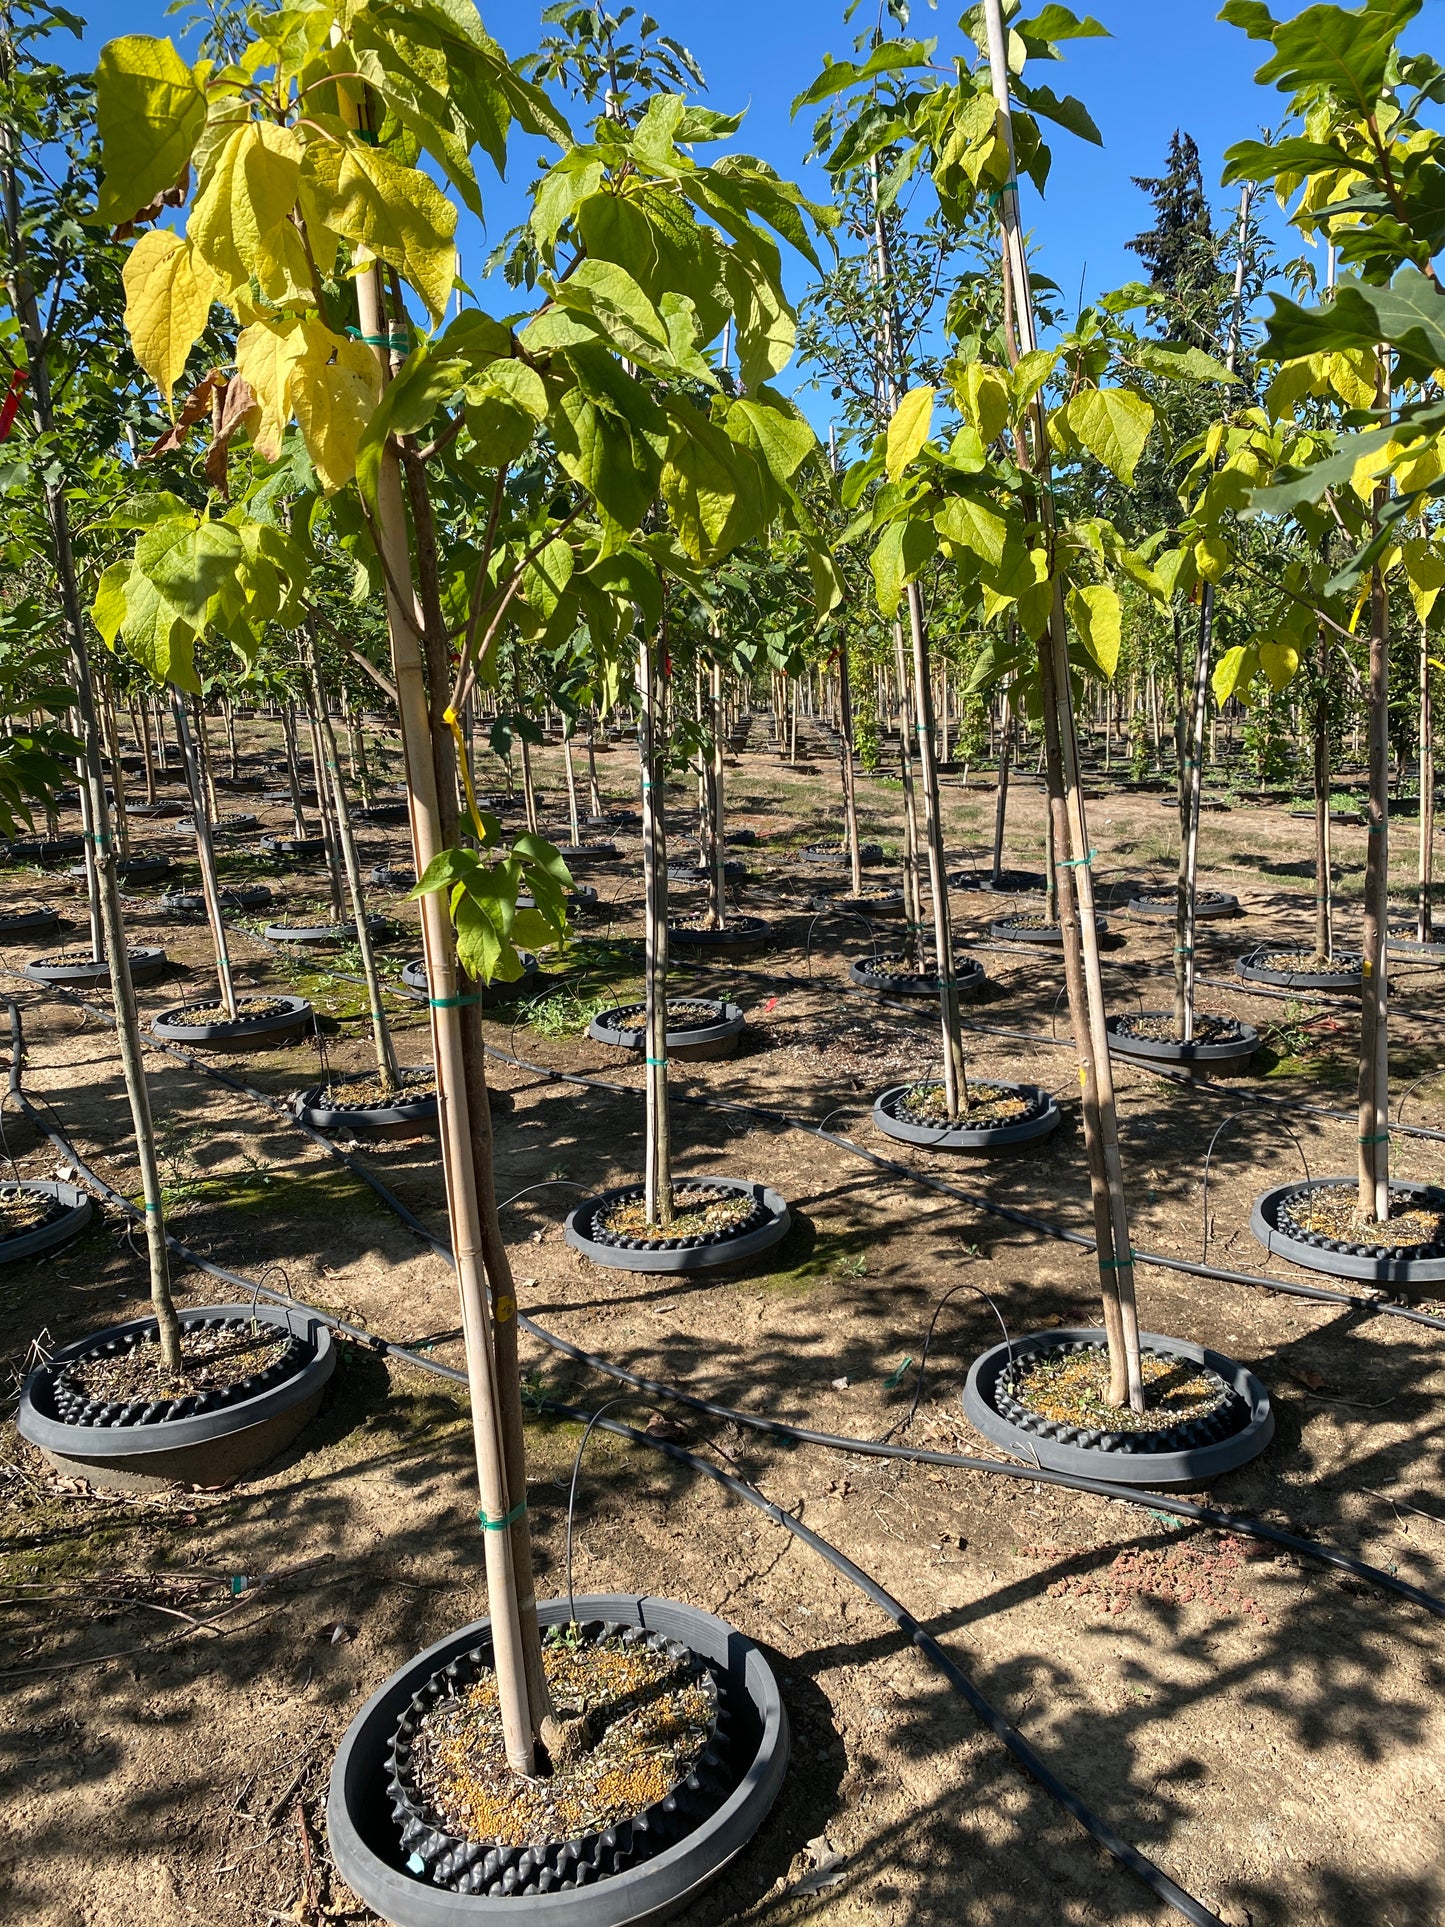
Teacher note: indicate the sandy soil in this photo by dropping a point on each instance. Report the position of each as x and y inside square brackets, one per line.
[1273, 1736]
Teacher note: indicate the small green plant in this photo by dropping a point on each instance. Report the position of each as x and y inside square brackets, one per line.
[565, 1013]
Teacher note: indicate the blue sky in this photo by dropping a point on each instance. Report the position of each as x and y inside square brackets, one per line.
[1168, 64]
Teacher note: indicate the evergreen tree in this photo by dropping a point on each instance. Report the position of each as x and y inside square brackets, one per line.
[1181, 250]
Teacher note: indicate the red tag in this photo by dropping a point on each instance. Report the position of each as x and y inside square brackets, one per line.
[10, 407]
[769, 1004]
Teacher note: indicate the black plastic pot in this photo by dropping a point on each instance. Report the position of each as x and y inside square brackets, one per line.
[1011, 883]
[1189, 1455]
[237, 896]
[33, 921]
[304, 849]
[1043, 1117]
[886, 903]
[624, 1027]
[382, 813]
[582, 856]
[209, 1447]
[155, 812]
[135, 869]
[146, 961]
[733, 872]
[1269, 1221]
[744, 839]
[365, 1838]
[46, 850]
[1211, 803]
[838, 853]
[393, 876]
[413, 975]
[739, 933]
[268, 1031]
[768, 1227]
[1207, 904]
[890, 976]
[399, 1119]
[1255, 971]
[1050, 935]
[321, 933]
[1236, 1049]
[232, 823]
[73, 1213]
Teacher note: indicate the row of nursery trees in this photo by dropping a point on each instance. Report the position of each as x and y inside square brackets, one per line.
[267, 441]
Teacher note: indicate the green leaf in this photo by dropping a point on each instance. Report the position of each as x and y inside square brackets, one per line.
[187, 562]
[908, 430]
[150, 110]
[710, 484]
[1179, 364]
[1098, 619]
[1345, 51]
[839, 75]
[1235, 670]
[1113, 424]
[975, 527]
[776, 432]
[1409, 314]
[606, 294]
[1069, 113]
[363, 194]
[902, 552]
[108, 610]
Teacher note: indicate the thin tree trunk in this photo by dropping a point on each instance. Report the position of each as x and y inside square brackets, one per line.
[387, 1071]
[717, 816]
[1324, 876]
[21, 292]
[1424, 912]
[657, 1175]
[1373, 1087]
[1005, 746]
[594, 790]
[205, 852]
[529, 794]
[850, 786]
[111, 737]
[293, 770]
[574, 822]
[228, 712]
[203, 742]
[912, 893]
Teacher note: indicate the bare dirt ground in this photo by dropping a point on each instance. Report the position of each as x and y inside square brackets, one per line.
[1272, 1735]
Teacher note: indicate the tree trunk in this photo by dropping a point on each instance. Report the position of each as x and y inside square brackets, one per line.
[478, 1252]
[293, 769]
[1324, 877]
[1373, 1086]
[1424, 910]
[327, 815]
[111, 739]
[205, 852]
[657, 1175]
[850, 787]
[1000, 808]
[594, 790]
[955, 1077]
[228, 711]
[574, 821]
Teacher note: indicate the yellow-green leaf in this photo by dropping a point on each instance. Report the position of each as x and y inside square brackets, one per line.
[266, 355]
[334, 389]
[1234, 671]
[1279, 661]
[239, 224]
[167, 302]
[1113, 424]
[1212, 558]
[150, 110]
[368, 197]
[1098, 619]
[984, 393]
[975, 527]
[908, 430]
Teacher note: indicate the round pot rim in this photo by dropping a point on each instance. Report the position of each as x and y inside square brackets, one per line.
[1207, 904]
[308, 1107]
[1254, 972]
[29, 1244]
[1167, 1050]
[319, 932]
[865, 972]
[682, 1258]
[1192, 1465]
[413, 975]
[102, 1442]
[21, 923]
[728, 1024]
[164, 1023]
[742, 929]
[1263, 1223]
[143, 956]
[982, 1137]
[638, 1893]
[1027, 883]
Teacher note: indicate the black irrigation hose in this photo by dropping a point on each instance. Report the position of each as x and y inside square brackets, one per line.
[1129, 1857]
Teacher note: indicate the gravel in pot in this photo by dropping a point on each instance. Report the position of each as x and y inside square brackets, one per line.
[36, 1214]
[1151, 1036]
[236, 896]
[394, 810]
[1164, 904]
[698, 1028]
[1030, 926]
[104, 1409]
[737, 933]
[1302, 969]
[260, 1022]
[77, 969]
[390, 1849]
[1318, 1225]
[135, 869]
[998, 1114]
[717, 1221]
[361, 1104]
[893, 975]
[1042, 1398]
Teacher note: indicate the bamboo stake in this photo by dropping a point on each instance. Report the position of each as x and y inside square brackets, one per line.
[1424, 911]
[1373, 1086]
[327, 817]
[293, 769]
[573, 819]
[1005, 746]
[1083, 975]
[111, 738]
[717, 882]
[657, 1177]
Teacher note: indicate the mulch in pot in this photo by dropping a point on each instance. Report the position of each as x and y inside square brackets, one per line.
[697, 1209]
[1333, 1211]
[24, 1211]
[988, 1105]
[247, 1009]
[647, 1714]
[1071, 1388]
[1159, 1028]
[213, 1360]
[368, 1094]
